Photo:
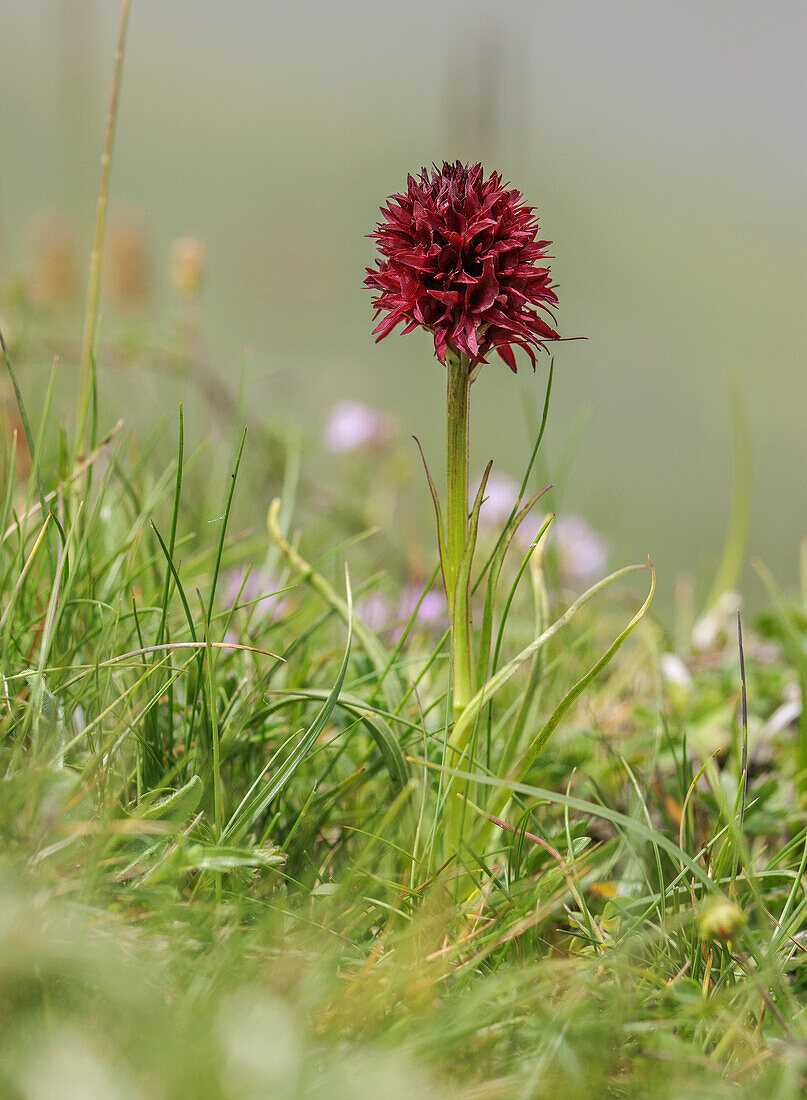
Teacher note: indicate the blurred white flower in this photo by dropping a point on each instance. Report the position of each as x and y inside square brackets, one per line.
[784, 716]
[352, 426]
[67, 1065]
[675, 672]
[715, 621]
[262, 1046]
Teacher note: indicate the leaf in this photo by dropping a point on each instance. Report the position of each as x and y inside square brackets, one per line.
[463, 725]
[200, 857]
[376, 726]
[619, 820]
[438, 512]
[177, 806]
[551, 723]
[370, 643]
[527, 473]
[513, 587]
[223, 531]
[494, 571]
[50, 709]
[256, 800]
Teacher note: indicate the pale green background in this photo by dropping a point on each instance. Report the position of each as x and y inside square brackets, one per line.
[664, 144]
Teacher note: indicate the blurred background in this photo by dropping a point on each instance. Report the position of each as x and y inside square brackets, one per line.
[664, 146]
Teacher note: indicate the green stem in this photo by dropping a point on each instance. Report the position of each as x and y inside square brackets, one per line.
[94, 281]
[458, 371]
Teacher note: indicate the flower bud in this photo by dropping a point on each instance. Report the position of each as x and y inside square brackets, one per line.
[54, 270]
[188, 267]
[127, 269]
[721, 920]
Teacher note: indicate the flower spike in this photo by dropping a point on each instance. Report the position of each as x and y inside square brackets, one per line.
[459, 256]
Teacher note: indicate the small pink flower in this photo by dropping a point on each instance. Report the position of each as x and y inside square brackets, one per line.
[433, 611]
[581, 552]
[501, 496]
[582, 556]
[375, 612]
[353, 426]
[258, 586]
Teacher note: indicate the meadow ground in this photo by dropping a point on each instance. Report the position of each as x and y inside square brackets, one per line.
[242, 854]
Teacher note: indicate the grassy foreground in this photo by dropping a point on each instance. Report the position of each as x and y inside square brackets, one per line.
[232, 860]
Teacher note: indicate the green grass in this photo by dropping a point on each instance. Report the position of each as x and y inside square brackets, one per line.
[242, 858]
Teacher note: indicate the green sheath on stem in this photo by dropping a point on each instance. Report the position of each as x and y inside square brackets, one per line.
[458, 371]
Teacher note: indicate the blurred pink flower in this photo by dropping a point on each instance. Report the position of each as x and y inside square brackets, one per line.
[433, 612]
[375, 612]
[380, 615]
[352, 426]
[582, 556]
[258, 586]
[501, 495]
[581, 551]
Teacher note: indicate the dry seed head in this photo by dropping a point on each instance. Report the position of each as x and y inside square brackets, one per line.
[188, 267]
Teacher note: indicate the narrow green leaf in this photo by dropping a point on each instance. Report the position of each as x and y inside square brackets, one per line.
[256, 800]
[464, 724]
[177, 806]
[370, 643]
[527, 473]
[441, 537]
[494, 567]
[605, 813]
[223, 532]
[731, 562]
[376, 725]
[29, 438]
[173, 534]
[560, 710]
[508, 603]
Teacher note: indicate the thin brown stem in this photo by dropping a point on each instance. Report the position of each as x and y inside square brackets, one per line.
[94, 280]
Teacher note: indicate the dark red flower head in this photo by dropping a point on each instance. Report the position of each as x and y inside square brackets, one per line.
[459, 256]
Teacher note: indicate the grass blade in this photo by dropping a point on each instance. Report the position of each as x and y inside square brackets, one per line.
[563, 706]
[256, 800]
[463, 725]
